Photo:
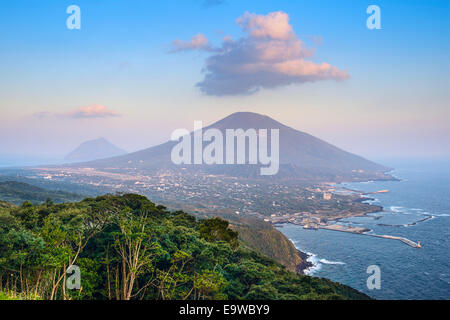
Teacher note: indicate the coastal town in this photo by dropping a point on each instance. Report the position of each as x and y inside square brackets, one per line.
[313, 207]
[281, 202]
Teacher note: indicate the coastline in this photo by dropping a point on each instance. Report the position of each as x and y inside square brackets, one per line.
[305, 264]
[365, 197]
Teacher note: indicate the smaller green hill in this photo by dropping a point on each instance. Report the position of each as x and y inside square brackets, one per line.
[262, 237]
[18, 192]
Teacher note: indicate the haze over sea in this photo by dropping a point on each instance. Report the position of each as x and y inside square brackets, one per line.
[406, 272]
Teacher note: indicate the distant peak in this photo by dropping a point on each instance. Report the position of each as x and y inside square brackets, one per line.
[246, 114]
[248, 120]
[101, 139]
[94, 149]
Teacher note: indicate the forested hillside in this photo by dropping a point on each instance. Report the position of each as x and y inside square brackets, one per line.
[129, 248]
[18, 192]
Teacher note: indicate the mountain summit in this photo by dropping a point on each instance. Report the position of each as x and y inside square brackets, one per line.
[302, 156]
[93, 150]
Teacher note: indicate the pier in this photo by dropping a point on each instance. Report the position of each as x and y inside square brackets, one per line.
[404, 240]
[363, 231]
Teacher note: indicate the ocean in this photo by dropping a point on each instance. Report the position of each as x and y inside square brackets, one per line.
[417, 208]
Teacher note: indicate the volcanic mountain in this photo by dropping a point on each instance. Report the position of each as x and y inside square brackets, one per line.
[302, 156]
[93, 150]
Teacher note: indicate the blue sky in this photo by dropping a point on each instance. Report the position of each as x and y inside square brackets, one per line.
[395, 102]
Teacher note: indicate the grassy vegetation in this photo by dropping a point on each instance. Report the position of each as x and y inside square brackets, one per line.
[128, 248]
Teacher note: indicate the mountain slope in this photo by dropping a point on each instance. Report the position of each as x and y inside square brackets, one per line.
[93, 150]
[302, 156]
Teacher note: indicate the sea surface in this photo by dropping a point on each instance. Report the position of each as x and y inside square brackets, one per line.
[417, 208]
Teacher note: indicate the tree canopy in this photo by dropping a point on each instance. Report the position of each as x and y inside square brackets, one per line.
[128, 248]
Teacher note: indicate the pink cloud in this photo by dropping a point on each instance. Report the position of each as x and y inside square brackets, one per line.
[197, 42]
[274, 25]
[270, 55]
[88, 112]
[92, 111]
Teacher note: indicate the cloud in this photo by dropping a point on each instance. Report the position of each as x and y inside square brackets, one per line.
[92, 111]
[197, 42]
[270, 55]
[88, 112]
[275, 25]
